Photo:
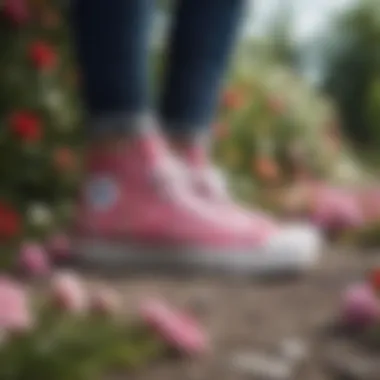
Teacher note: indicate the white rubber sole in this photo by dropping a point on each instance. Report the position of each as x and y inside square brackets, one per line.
[294, 250]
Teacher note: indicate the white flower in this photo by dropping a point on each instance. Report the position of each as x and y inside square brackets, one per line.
[347, 171]
[54, 99]
[39, 215]
[265, 145]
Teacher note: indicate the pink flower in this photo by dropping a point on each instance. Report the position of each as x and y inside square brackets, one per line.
[68, 293]
[370, 199]
[178, 329]
[59, 246]
[336, 209]
[361, 307]
[33, 259]
[16, 11]
[105, 301]
[15, 314]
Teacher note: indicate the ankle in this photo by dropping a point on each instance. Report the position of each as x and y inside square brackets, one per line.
[134, 149]
[193, 150]
[109, 145]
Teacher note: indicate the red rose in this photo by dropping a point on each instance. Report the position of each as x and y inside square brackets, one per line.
[16, 11]
[9, 222]
[26, 126]
[42, 55]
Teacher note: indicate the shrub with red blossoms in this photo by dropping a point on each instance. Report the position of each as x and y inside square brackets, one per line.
[40, 123]
[26, 126]
[10, 222]
[42, 55]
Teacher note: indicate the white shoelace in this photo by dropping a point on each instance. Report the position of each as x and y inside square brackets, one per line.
[212, 180]
[173, 181]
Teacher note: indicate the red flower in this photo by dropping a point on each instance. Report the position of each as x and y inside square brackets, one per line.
[16, 11]
[276, 105]
[50, 19]
[266, 168]
[64, 158]
[375, 279]
[9, 222]
[26, 125]
[42, 55]
[220, 130]
[233, 99]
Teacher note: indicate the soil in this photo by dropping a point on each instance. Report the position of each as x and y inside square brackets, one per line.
[243, 316]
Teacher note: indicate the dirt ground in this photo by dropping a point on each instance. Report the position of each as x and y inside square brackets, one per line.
[243, 316]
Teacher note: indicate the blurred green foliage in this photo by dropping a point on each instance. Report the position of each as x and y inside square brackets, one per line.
[353, 71]
[274, 128]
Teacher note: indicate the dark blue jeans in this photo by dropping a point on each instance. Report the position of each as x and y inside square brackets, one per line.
[112, 39]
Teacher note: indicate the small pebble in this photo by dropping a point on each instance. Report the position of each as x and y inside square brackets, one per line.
[201, 303]
[294, 349]
[351, 366]
[261, 366]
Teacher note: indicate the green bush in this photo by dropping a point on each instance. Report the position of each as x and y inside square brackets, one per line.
[274, 129]
[40, 134]
[353, 71]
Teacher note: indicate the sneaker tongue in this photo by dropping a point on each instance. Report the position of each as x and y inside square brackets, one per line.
[196, 155]
[151, 147]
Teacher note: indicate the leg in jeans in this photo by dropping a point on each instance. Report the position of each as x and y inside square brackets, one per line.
[133, 205]
[112, 41]
[203, 35]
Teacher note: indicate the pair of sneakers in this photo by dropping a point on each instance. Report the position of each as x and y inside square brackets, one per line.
[142, 205]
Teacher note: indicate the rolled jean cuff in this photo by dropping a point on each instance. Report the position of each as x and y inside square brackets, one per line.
[119, 124]
[185, 129]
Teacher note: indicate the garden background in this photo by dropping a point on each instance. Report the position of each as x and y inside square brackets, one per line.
[297, 132]
[279, 128]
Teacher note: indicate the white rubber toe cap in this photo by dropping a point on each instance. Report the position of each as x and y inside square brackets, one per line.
[295, 247]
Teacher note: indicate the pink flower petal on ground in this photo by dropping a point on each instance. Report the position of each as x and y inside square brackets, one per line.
[361, 306]
[336, 209]
[370, 200]
[68, 293]
[179, 330]
[33, 259]
[105, 301]
[59, 246]
[15, 312]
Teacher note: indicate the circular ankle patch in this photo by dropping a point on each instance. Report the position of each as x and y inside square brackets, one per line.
[102, 193]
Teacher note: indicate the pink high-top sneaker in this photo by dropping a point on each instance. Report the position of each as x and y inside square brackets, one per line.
[283, 239]
[136, 207]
